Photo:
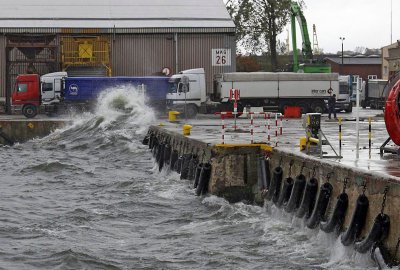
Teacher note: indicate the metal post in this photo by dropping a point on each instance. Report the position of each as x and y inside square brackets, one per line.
[235, 112]
[369, 136]
[359, 84]
[176, 52]
[308, 133]
[251, 129]
[342, 39]
[269, 127]
[340, 136]
[185, 109]
[223, 128]
[321, 154]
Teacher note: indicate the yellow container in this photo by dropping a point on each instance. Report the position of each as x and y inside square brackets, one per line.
[172, 116]
[303, 143]
[186, 129]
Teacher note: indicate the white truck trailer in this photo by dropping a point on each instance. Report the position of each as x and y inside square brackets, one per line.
[272, 91]
[374, 96]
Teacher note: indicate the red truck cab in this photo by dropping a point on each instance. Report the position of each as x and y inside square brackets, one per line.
[26, 94]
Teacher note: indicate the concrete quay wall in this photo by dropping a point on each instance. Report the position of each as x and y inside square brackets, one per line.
[234, 177]
[24, 130]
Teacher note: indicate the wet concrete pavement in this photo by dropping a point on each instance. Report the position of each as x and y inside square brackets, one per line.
[208, 128]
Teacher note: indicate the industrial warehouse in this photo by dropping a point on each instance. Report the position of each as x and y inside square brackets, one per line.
[99, 38]
[130, 140]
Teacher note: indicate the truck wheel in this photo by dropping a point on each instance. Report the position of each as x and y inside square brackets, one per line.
[363, 104]
[350, 108]
[318, 107]
[191, 111]
[303, 107]
[29, 111]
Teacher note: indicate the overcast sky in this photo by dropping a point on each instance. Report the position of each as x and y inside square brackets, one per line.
[363, 23]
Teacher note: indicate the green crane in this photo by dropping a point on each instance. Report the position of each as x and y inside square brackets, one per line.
[308, 66]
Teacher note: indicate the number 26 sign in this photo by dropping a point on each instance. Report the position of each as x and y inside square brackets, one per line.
[221, 57]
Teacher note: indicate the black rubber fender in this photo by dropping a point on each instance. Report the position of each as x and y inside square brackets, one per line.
[285, 192]
[318, 214]
[146, 140]
[178, 164]
[378, 233]
[151, 140]
[357, 221]
[336, 220]
[267, 173]
[154, 149]
[307, 202]
[185, 166]
[381, 256]
[296, 194]
[273, 191]
[261, 173]
[167, 153]
[159, 152]
[160, 156]
[204, 178]
[192, 167]
[197, 174]
[173, 159]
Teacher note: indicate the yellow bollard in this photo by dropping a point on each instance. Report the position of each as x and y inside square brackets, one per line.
[303, 143]
[186, 129]
[172, 116]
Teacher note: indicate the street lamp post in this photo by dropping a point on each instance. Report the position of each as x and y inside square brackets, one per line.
[342, 38]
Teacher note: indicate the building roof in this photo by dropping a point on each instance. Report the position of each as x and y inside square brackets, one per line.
[356, 60]
[114, 14]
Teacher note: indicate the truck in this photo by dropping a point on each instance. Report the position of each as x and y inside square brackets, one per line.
[373, 96]
[272, 91]
[54, 92]
[343, 100]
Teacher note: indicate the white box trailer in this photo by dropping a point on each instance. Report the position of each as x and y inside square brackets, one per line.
[272, 91]
[277, 90]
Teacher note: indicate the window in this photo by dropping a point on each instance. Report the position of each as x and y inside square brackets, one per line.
[47, 87]
[173, 85]
[22, 88]
[343, 88]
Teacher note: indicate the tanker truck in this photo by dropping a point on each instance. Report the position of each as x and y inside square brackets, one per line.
[54, 92]
[272, 91]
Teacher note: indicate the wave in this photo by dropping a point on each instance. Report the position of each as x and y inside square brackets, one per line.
[120, 113]
[70, 259]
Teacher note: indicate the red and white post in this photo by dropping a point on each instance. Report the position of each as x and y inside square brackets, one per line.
[234, 94]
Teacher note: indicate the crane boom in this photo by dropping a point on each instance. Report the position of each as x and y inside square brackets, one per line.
[298, 15]
[309, 67]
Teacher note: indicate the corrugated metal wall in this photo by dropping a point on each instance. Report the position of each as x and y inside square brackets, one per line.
[3, 68]
[148, 54]
[45, 59]
[141, 55]
[195, 52]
